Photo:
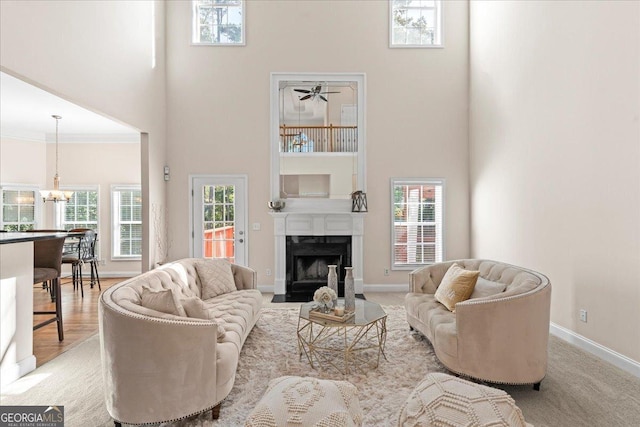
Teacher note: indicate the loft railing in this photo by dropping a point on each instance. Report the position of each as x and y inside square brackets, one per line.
[318, 139]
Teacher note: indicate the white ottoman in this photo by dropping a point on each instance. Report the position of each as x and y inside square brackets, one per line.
[305, 401]
[444, 400]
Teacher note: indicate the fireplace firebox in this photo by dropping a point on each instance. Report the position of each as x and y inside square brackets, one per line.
[307, 261]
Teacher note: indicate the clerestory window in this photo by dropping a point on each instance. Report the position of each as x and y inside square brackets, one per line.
[415, 23]
[218, 22]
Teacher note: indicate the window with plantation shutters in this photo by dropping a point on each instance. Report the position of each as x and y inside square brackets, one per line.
[126, 204]
[417, 212]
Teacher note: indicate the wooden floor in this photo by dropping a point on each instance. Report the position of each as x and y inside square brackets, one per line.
[79, 318]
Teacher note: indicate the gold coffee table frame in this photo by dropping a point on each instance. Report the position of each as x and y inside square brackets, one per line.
[346, 346]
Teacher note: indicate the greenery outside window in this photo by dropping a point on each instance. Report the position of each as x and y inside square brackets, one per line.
[218, 22]
[20, 210]
[126, 204]
[417, 212]
[415, 23]
[81, 211]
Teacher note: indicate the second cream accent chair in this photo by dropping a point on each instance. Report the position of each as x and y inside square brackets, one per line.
[499, 335]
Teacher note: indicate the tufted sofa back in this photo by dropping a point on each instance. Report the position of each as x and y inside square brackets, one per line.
[181, 276]
[517, 280]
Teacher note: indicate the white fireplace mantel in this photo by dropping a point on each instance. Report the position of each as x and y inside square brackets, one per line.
[317, 224]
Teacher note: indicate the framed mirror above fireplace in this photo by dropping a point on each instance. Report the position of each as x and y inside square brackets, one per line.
[318, 140]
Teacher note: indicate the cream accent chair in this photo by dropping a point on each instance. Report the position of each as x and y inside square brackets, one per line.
[499, 335]
[160, 367]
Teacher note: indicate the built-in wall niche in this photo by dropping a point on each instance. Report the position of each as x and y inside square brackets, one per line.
[305, 186]
[317, 139]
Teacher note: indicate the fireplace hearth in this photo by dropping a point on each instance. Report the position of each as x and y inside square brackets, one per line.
[307, 261]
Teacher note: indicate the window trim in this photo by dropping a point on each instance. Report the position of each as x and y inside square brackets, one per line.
[59, 212]
[416, 181]
[37, 207]
[115, 222]
[243, 42]
[417, 46]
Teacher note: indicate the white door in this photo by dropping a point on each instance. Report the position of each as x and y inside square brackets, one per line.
[219, 217]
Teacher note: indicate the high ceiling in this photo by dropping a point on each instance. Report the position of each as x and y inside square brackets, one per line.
[25, 113]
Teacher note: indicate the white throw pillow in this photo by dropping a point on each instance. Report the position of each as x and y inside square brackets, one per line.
[197, 309]
[216, 277]
[164, 301]
[486, 288]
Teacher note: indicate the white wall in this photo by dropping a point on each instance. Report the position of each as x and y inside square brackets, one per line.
[80, 165]
[218, 112]
[97, 54]
[104, 164]
[16, 156]
[555, 155]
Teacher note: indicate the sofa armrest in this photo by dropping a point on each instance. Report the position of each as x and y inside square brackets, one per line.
[245, 277]
[505, 339]
[150, 364]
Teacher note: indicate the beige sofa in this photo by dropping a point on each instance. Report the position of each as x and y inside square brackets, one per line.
[499, 335]
[160, 367]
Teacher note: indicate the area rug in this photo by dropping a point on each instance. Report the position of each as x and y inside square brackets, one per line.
[271, 350]
[74, 379]
[579, 389]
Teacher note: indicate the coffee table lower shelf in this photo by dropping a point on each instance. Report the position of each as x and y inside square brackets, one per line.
[350, 346]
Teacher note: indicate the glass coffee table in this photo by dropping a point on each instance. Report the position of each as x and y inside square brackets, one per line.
[353, 345]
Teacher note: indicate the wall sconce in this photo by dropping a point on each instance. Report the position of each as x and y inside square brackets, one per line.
[166, 173]
[358, 201]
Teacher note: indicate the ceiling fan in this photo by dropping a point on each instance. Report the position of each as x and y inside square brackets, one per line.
[315, 91]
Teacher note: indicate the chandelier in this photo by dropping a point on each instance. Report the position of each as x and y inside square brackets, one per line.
[56, 195]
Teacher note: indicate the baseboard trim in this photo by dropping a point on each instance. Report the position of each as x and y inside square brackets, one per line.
[107, 274]
[367, 288]
[266, 288]
[17, 370]
[387, 288]
[620, 360]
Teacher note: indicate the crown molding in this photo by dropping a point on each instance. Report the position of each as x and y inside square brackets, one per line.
[66, 138]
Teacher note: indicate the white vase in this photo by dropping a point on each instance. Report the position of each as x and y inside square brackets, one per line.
[332, 278]
[349, 290]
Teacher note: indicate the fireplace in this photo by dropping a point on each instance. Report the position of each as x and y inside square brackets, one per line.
[307, 261]
[346, 226]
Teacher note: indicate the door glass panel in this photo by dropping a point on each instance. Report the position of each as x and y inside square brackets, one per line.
[218, 221]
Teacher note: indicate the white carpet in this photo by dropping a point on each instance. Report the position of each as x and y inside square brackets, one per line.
[579, 389]
[271, 350]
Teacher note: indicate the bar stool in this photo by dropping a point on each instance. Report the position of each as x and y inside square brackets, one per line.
[81, 253]
[45, 285]
[47, 267]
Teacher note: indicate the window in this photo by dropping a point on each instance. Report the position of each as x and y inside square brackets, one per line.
[126, 203]
[415, 23]
[218, 22]
[417, 206]
[19, 208]
[81, 211]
